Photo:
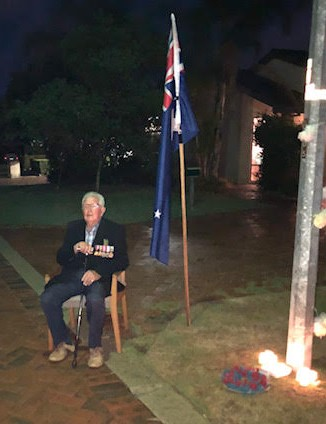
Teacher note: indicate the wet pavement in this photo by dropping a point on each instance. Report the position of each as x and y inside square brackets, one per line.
[34, 391]
[229, 255]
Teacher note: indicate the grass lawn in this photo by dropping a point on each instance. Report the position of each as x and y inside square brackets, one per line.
[44, 205]
[222, 335]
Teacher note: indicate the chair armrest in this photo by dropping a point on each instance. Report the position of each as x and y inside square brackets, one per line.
[121, 277]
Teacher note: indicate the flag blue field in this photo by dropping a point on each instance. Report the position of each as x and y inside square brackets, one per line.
[169, 142]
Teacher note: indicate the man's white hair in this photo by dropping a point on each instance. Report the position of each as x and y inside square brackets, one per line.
[100, 199]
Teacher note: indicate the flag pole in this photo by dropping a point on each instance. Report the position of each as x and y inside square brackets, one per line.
[174, 134]
[184, 232]
[177, 128]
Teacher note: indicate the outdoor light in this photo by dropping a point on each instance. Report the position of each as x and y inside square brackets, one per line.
[305, 377]
[269, 363]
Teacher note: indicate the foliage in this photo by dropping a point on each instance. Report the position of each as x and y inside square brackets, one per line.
[117, 65]
[61, 114]
[95, 116]
[278, 136]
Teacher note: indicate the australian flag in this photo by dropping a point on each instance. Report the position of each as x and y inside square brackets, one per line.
[175, 130]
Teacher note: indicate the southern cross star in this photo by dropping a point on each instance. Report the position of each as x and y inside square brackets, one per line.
[157, 214]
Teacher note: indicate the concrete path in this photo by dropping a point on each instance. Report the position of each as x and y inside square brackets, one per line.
[24, 180]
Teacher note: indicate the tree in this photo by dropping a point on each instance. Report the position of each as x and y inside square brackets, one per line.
[111, 58]
[102, 105]
[62, 114]
[278, 136]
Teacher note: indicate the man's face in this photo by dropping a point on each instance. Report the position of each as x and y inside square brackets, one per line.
[92, 211]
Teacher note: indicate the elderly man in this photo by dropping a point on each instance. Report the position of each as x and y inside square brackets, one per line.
[85, 271]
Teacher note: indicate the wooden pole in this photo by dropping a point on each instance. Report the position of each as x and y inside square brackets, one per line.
[305, 260]
[184, 231]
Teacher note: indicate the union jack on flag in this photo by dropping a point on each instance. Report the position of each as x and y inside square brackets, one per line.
[178, 126]
[169, 76]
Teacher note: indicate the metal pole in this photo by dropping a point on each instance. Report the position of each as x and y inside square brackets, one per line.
[305, 260]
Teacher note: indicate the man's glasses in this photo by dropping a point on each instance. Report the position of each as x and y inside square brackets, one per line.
[91, 206]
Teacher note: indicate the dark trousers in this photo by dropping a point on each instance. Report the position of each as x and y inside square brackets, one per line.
[57, 293]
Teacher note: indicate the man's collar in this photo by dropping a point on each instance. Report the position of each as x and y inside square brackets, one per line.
[93, 229]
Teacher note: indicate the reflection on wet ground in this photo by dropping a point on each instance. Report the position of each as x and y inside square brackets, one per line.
[229, 254]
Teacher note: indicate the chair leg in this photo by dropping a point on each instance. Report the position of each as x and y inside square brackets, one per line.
[50, 338]
[114, 312]
[72, 319]
[124, 311]
[116, 329]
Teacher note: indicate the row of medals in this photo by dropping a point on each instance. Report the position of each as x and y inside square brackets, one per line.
[104, 251]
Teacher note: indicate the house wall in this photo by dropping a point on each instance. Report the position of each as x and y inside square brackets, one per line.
[245, 140]
[238, 142]
[236, 152]
[250, 109]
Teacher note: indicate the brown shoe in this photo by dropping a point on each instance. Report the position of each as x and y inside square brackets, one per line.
[61, 352]
[96, 359]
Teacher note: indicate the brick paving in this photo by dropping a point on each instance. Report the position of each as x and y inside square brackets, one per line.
[33, 390]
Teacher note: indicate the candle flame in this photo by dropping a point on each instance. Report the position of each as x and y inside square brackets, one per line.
[267, 357]
[269, 363]
[305, 377]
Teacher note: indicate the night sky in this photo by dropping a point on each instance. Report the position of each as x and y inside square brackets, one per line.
[19, 17]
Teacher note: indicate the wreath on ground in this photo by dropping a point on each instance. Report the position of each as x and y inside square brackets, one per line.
[245, 380]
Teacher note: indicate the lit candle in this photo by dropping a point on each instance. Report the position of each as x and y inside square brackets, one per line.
[267, 357]
[280, 369]
[305, 376]
[269, 363]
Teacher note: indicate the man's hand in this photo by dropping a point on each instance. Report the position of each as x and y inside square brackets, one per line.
[89, 277]
[83, 247]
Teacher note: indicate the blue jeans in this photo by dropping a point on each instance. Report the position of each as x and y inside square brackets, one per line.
[54, 296]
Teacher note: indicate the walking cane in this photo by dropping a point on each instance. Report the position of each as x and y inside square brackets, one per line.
[79, 320]
[77, 336]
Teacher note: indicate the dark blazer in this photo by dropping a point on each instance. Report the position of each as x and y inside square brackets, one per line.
[75, 264]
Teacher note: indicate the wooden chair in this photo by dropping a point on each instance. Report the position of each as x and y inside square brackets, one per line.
[111, 304]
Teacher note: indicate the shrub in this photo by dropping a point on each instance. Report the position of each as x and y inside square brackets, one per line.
[278, 136]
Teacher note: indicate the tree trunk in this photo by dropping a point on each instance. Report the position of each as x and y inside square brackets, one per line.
[98, 174]
[60, 174]
[218, 139]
